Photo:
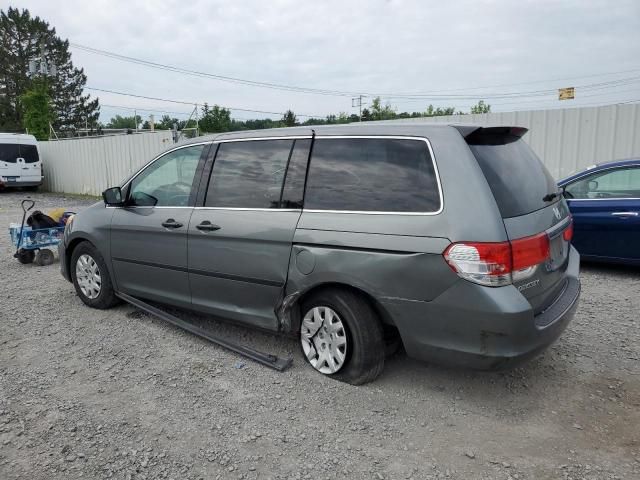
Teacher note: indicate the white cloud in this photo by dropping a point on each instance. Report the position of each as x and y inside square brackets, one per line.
[368, 46]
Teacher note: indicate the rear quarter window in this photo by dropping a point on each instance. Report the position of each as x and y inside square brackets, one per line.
[372, 174]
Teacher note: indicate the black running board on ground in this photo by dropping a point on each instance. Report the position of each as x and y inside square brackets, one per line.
[267, 359]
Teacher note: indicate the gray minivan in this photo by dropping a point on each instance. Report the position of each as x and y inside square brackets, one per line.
[452, 238]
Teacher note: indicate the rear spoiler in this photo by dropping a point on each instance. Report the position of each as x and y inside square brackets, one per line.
[490, 135]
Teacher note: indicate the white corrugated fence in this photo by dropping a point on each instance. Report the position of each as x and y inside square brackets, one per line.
[565, 139]
[89, 165]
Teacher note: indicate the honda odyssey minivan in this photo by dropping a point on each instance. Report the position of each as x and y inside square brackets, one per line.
[453, 238]
[20, 164]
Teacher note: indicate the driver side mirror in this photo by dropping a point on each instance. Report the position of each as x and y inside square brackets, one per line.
[113, 197]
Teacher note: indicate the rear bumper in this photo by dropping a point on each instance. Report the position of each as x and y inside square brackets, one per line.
[5, 184]
[482, 327]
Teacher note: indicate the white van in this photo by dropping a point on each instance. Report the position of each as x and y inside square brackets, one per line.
[20, 164]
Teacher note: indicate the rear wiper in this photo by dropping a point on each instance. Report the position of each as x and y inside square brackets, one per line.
[551, 196]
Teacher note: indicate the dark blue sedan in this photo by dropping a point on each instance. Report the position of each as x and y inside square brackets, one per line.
[605, 203]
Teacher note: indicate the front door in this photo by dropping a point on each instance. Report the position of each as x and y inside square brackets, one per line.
[149, 234]
[606, 213]
[240, 239]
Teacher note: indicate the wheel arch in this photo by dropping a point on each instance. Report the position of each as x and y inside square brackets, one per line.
[296, 310]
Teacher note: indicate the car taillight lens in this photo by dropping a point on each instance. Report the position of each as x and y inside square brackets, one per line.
[568, 232]
[499, 263]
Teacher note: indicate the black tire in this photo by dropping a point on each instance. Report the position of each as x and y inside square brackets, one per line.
[365, 355]
[106, 297]
[44, 257]
[25, 256]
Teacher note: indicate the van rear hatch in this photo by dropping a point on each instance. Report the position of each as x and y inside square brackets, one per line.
[535, 215]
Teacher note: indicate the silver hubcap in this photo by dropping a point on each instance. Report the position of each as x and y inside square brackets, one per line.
[88, 276]
[324, 339]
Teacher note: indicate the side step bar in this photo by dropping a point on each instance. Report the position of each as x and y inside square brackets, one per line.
[267, 359]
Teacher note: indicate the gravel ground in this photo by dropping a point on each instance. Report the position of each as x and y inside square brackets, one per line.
[119, 394]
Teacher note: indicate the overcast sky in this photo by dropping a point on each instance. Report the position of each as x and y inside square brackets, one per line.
[375, 46]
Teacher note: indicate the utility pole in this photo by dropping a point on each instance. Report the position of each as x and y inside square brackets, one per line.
[40, 66]
[357, 102]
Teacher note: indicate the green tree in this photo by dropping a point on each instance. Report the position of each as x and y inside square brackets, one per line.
[23, 38]
[481, 107]
[37, 114]
[439, 112]
[380, 112]
[289, 119]
[124, 122]
[214, 120]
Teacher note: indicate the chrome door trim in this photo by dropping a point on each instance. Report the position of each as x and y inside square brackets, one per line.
[148, 164]
[588, 173]
[251, 139]
[242, 209]
[600, 199]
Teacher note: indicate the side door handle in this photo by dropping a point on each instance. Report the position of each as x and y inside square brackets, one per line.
[171, 223]
[624, 214]
[207, 226]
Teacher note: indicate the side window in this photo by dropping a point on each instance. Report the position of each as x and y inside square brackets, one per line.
[249, 174]
[619, 183]
[293, 189]
[372, 174]
[167, 182]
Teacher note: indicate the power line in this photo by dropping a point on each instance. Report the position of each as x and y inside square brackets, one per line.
[291, 88]
[152, 110]
[182, 102]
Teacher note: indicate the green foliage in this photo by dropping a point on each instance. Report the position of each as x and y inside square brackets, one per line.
[124, 122]
[439, 112]
[481, 107]
[214, 120]
[21, 39]
[289, 119]
[37, 113]
[380, 112]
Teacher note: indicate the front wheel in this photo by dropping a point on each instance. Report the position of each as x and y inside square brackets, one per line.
[91, 277]
[341, 336]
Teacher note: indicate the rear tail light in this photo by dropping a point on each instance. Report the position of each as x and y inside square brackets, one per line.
[568, 232]
[499, 263]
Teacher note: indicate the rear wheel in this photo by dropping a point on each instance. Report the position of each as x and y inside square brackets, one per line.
[44, 257]
[341, 336]
[25, 256]
[91, 277]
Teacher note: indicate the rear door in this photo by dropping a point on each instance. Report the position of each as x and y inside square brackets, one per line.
[29, 164]
[149, 235]
[528, 200]
[240, 238]
[606, 211]
[9, 169]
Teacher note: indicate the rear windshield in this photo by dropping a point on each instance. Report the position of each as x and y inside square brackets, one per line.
[517, 177]
[10, 152]
[29, 153]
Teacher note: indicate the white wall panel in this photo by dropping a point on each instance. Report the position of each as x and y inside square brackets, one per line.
[89, 165]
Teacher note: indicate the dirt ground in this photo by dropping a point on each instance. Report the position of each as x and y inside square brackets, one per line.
[119, 394]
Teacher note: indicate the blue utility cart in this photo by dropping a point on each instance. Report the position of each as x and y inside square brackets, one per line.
[31, 243]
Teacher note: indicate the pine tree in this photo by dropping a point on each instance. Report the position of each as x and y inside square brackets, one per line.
[22, 38]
